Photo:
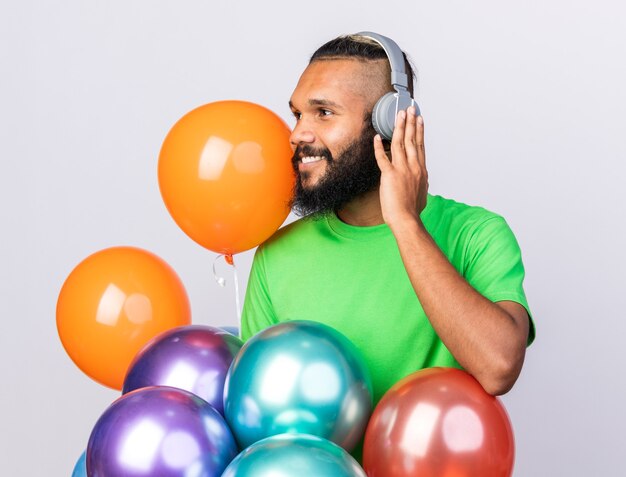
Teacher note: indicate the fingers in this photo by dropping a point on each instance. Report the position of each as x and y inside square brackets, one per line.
[419, 142]
[407, 143]
[398, 154]
[409, 138]
[381, 157]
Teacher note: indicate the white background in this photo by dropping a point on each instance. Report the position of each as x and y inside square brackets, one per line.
[523, 104]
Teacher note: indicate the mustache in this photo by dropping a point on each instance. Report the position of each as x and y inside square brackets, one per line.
[304, 150]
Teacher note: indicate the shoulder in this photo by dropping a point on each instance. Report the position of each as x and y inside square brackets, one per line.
[441, 212]
[297, 233]
[461, 231]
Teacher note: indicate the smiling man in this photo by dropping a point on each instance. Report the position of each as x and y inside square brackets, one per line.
[414, 280]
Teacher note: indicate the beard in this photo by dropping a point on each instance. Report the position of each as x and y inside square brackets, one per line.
[351, 174]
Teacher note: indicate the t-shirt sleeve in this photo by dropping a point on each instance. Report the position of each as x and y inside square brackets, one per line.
[258, 312]
[494, 265]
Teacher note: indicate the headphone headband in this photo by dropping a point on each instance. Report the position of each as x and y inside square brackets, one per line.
[399, 78]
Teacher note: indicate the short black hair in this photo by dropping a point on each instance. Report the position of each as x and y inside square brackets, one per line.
[359, 47]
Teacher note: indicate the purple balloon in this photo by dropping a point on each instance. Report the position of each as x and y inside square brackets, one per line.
[160, 431]
[194, 358]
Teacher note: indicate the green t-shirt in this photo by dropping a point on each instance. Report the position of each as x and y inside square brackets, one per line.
[353, 279]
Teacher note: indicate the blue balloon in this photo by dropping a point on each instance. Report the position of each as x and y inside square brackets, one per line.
[160, 431]
[233, 330]
[80, 469]
[298, 377]
[294, 455]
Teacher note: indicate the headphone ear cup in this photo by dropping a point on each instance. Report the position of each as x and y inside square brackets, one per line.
[384, 115]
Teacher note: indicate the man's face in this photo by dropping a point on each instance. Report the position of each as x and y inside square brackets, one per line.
[332, 140]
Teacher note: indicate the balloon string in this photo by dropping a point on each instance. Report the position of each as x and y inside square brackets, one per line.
[222, 282]
[237, 302]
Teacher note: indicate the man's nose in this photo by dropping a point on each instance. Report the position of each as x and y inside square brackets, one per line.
[301, 133]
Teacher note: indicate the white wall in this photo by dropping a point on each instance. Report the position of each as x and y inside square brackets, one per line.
[523, 104]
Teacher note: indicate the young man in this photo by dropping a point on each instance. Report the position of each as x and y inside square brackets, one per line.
[413, 280]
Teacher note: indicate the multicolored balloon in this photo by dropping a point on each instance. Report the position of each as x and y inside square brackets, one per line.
[297, 455]
[298, 377]
[438, 421]
[195, 358]
[160, 431]
[112, 304]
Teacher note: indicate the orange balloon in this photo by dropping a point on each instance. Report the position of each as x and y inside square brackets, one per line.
[112, 304]
[438, 422]
[225, 175]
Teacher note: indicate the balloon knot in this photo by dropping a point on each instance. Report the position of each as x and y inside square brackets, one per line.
[229, 259]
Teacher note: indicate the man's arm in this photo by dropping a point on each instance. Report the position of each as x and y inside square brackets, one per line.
[488, 339]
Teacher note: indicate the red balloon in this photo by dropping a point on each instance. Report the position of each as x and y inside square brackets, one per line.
[439, 422]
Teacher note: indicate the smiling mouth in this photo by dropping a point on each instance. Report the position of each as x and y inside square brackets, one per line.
[312, 159]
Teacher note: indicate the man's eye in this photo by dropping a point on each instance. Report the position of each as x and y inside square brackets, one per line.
[325, 112]
[296, 115]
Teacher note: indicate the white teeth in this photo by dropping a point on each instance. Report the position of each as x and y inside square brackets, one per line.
[308, 159]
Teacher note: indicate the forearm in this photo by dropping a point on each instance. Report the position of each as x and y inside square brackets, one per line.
[486, 340]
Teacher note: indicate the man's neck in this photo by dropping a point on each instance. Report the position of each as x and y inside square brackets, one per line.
[364, 211]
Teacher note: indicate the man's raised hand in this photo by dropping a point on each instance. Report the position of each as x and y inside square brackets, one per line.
[404, 178]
